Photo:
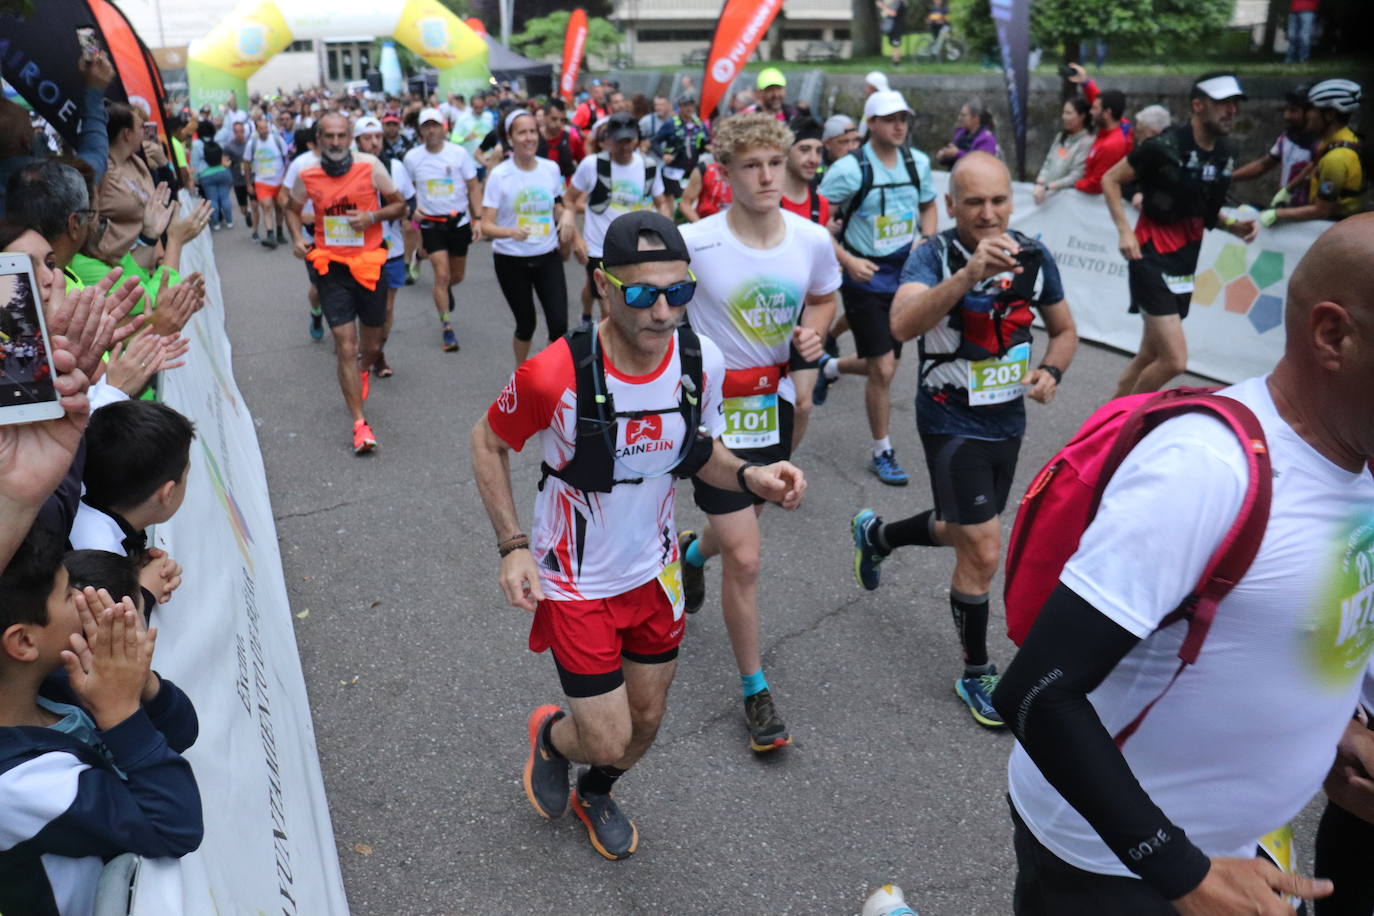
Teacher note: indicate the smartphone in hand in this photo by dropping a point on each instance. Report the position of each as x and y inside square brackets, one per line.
[27, 394]
[89, 40]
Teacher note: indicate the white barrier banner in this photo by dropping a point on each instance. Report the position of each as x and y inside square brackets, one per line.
[1235, 323]
[226, 639]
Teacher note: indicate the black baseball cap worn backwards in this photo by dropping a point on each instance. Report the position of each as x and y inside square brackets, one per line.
[621, 245]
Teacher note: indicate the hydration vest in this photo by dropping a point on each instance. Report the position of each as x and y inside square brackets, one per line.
[592, 468]
[601, 194]
[989, 322]
[866, 186]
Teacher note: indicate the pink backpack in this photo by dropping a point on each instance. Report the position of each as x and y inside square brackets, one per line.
[1063, 499]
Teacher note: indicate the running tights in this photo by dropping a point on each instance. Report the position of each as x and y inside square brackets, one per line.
[521, 278]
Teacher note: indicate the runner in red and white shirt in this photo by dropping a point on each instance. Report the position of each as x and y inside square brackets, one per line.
[601, 571]
[768, 282]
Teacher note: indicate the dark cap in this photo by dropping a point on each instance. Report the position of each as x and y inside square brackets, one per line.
[1297, 96]
[686, 99]
[621, 245]
[622, 126]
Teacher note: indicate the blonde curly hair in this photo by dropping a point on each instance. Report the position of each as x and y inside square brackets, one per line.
[738, 133]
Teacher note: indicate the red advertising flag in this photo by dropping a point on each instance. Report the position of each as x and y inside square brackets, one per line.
[742, 24]
[573, 43]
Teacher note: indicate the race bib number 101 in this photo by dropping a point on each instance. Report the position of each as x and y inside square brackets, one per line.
[751, 422]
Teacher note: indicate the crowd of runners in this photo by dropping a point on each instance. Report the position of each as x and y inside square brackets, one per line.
[725, 266]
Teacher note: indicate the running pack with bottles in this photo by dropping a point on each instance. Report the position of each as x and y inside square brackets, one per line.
[600, 197]
[991, 320]
[592, 467]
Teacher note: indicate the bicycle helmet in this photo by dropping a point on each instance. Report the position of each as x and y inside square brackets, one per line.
[1338, 94]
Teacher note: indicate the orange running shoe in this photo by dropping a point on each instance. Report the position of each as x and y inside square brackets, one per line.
[546, 775]
[364, 440]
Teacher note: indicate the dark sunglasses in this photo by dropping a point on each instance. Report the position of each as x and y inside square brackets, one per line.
[643, 296]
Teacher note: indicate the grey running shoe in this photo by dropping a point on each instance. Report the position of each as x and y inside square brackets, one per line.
[766, 731]
[546, 776]
[612, 833]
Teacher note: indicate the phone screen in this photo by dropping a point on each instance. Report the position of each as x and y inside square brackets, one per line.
[89, 41]
[25, 362]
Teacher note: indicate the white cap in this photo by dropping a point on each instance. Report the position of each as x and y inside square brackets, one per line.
[432, 114]
[878, 80]
[367, 125]
[1220, 88]
[837, 125]
[881, 103]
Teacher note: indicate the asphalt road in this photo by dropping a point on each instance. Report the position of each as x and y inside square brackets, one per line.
[889, 779]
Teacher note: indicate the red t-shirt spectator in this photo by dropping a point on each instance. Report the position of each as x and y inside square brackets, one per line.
[803, 209]
[587, 114]
[1109, 146]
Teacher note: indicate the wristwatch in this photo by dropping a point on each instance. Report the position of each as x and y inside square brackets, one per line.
[1055, 372]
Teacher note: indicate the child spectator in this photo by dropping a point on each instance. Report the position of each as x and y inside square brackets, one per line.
[90, 756]
[138, 454]
[111, 572]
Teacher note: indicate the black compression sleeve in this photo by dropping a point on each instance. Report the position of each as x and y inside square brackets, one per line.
[1043, 696]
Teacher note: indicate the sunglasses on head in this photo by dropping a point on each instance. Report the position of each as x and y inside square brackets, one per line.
[643, 296]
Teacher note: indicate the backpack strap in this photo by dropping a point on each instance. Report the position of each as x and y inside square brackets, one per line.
[815, 200]
[856, 199]
[601, 194]
[1232, 558]
[650, 171]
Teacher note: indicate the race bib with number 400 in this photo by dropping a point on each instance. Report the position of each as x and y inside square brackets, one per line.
[994, 381]
[751, 422]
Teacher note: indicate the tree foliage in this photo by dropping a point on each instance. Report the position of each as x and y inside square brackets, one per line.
[543, 37]
[1138, 27]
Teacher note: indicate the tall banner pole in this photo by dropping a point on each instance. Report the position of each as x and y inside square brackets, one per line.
[1012, 18]
[742, 24]
[574, 40]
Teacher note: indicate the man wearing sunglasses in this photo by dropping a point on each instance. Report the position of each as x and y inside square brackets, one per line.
[768, 288]
[600, 572]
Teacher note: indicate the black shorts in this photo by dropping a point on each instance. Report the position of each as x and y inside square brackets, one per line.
[870, 318]
[795, 363]
[593, 265]
[308, 230]
[1151, 275]
[894, 37]
[714, 501]
[344, 299]
[241, 194]
[971, 478]
[445, 235]
[673, 188]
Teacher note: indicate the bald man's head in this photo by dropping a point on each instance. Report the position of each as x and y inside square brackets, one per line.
[979, 199]
[1328, 362]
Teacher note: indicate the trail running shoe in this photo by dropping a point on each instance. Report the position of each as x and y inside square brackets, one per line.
[546, 776]
[317, 325]
[822, 389]
[256, 237]
[612, 833]
[976, 692]
[450, 339]
[693, 577]
[229, 224]
[766, 731]
[364, 440]
[413, 272]
[381, 366]
[887, 468]
[281, 236]
[867, 559]
[269, 242]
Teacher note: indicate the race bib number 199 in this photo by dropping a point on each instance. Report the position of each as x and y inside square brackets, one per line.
[751, 422]
[995, 381]
[894, 229]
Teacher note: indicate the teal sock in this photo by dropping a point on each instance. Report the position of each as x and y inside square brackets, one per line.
[692, 556]
[753, 683]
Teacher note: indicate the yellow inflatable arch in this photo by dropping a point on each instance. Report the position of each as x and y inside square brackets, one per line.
[247, 38]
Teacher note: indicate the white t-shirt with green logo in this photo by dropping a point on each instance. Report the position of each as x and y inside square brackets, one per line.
[627, 194]
[523, 198]
[1245, 737]
[749, 299]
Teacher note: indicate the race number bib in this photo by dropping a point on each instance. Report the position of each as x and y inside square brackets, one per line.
[751, 422]
[673, 174]
[438, 188]
[671, 582]
[539, 226]
[1178, 284]
[338, 233]
[994, 381]
[894, 229]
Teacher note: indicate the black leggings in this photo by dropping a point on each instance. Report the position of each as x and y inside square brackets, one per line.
[521, 278]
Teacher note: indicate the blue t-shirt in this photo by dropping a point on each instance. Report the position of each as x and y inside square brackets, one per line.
[889, 219]
[942, 398]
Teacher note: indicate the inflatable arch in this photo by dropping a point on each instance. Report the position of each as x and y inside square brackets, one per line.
[256, 30]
